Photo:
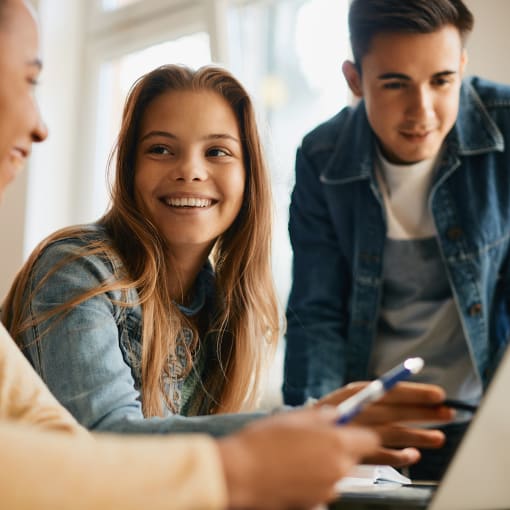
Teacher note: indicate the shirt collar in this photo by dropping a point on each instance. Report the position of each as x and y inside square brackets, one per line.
[474, 132]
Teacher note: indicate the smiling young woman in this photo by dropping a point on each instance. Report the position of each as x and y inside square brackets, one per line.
[170, 294]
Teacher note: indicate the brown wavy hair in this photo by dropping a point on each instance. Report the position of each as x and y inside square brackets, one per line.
[247, 325]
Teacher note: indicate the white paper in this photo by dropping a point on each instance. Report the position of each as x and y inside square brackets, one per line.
[364, 475]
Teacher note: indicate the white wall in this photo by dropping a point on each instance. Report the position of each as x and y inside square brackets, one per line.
[44, 199]
[489, 45]
[12, 230]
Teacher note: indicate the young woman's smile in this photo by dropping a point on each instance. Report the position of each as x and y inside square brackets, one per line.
[187, 203]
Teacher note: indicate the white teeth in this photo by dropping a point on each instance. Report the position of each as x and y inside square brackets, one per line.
[188, 202]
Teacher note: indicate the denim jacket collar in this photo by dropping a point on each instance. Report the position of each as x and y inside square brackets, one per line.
[466, 137]
[203, 290]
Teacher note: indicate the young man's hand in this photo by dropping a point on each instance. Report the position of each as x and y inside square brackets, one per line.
[291, 460]
[395, 416]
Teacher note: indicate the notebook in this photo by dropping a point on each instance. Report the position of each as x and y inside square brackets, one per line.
[366, 475]
[478, 477]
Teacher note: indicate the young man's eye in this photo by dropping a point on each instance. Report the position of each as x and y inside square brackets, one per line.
[393, 85]
[441, 82]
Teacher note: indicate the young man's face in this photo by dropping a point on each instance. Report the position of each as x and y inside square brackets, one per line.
[20, 121]
[411, 84]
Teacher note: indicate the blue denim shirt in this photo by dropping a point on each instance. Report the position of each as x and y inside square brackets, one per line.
[90, 358]
[337, 229]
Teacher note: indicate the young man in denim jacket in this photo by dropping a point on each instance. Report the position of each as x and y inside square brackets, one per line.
[400, 215]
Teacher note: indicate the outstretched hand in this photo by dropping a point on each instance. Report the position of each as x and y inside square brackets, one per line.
[291, 460]
[395, 418]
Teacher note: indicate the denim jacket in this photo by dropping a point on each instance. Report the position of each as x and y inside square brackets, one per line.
[90, 357]
[338, 229]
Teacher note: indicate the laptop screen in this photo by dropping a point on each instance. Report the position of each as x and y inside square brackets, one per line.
[478, 477]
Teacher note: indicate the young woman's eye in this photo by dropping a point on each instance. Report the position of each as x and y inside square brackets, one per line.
[159, 149]
[33, 81]
[217, 152]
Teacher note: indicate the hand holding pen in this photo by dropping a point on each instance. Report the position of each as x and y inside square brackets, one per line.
[393, 416]
[348, 409]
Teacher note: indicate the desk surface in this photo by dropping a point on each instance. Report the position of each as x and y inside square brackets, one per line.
[383, 497]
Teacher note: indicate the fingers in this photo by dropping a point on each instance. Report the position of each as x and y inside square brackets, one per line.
[386, 412]
[396, 458]
[403, 393]
[398, 437]
[292, 460]
[336, 397]
[357, 442]
[395, 437]
[407, 402]
[414, 393]
[352, 441]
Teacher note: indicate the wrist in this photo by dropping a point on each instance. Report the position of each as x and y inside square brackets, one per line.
[237, 469]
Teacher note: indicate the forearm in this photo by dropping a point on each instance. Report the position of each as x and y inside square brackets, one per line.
[213, 425]
[24, 397]
[49, 471]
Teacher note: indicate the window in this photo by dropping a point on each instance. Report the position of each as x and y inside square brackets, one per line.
[295, 48]
[111, 5]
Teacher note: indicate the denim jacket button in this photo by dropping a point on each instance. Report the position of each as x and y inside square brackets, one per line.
[475, 309]
[454, 233]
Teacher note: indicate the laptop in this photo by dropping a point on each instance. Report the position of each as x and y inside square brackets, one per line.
[478, 477]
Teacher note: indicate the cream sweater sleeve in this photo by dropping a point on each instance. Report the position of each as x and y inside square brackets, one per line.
[51, 471]
[23, 395]
[45, 470]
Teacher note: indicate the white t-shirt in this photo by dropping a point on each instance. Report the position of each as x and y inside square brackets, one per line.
[418, 314]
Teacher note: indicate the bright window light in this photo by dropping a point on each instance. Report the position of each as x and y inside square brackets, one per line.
[111, 5]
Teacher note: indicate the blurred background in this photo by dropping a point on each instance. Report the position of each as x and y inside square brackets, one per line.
[287, 53]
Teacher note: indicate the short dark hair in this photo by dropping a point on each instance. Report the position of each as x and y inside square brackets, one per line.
[368, 18]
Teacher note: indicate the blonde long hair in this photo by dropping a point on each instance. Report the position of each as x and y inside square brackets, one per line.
[247, 325]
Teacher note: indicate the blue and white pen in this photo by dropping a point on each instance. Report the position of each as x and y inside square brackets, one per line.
[349, 408]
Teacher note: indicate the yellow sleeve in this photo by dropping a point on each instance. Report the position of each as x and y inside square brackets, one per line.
[51, 471]
[23, 395]
[44, 469]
